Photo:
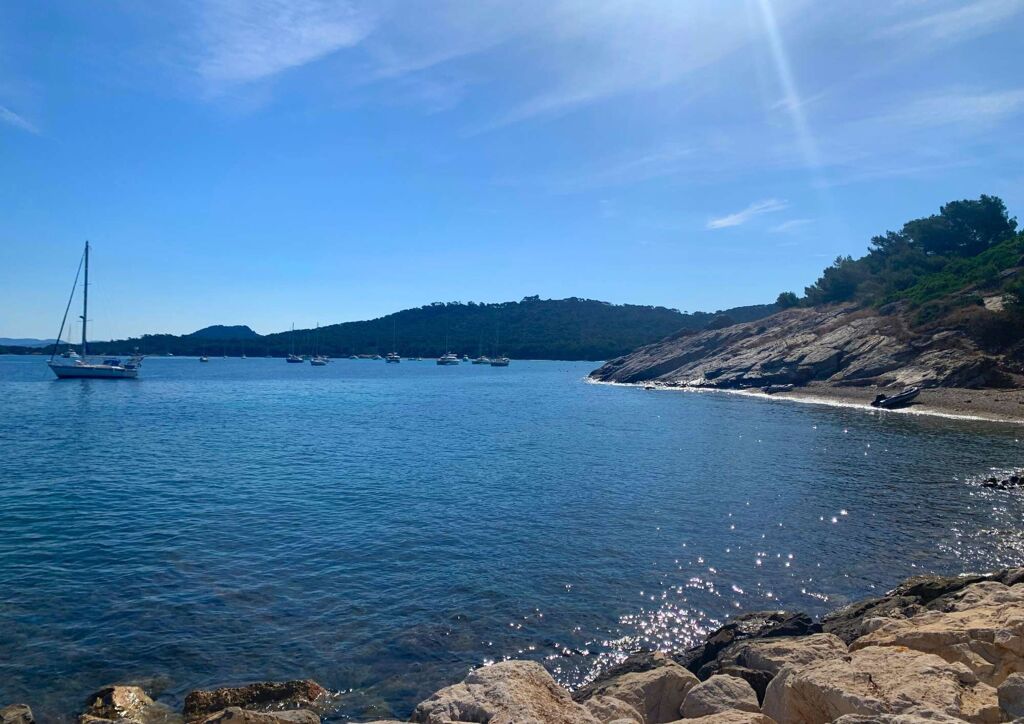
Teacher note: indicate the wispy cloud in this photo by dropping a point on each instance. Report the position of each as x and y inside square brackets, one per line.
[17, 121]
[790, 225]
[248, 40]
[626, 169]
[741, 217]
[957, 107]
[959, 23]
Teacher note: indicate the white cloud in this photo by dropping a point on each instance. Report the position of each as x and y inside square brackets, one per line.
[13, 119]
[790, 225]
[741, 217]
[248, 40]
[958, 23]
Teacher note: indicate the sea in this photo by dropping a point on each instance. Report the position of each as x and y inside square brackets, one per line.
[385, 528]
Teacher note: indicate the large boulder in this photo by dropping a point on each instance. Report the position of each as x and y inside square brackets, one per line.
[510, 692]
[702, 660]
[980, 626]
[875, 681]
[718, 694]
[607, 709]
[1011, 696]
[921, 717]
[129, 704]
[238, 715]
[730, 716]
[16, 714]
[261, 696]
[656, 693]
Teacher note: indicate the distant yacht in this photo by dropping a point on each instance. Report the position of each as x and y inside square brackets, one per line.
[465, 358]
[481, 360]
[500, 362]
[204, 358]
[293, 358]
[70, 365]
[317, 360]
[393, 358]
[448, 358]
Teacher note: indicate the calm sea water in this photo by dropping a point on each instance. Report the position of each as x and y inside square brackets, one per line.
[382, 528]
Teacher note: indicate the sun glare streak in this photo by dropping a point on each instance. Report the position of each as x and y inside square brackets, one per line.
[793, 103]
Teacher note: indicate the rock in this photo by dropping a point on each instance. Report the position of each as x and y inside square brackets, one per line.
[980, 626]
[16, 714]
[754, 625]
[757, 679]
[848, 623]
[879, 680]
[719, 694]
[238, 715]
[642, 661]
[773, 653]
[656, 693]
[261, 696]
[608, 709]
[922, 717]
[124, 704]
[1011, 695]
[510, 692]
[730, 716]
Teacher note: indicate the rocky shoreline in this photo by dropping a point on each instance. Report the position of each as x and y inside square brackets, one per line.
[934, 649]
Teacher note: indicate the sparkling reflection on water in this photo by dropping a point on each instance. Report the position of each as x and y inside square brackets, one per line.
[382, 528]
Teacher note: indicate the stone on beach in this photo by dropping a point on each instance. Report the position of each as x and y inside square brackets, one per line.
[718, 694]
[656, 693]
[510, 692]
[980, 626]
[261, 696]
[879, 680]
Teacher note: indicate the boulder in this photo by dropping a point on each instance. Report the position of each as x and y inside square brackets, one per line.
[980, 626]
[754, 625]
[1011, 695]
[261, 696]
[642, 661]
[718, 694]
[757, 678]
[730, 716]
[607, 709]
[238, 715]
[772, 654]
[848, 623]
[879, 680]
[16, 714]
[656, 693]
[510, 692]
[118, 703]
[922, 717]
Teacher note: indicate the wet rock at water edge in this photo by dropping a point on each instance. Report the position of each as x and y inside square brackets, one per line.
[125, 704]
[656, 692]
[16, 714]
[262, 696]
[237, 715]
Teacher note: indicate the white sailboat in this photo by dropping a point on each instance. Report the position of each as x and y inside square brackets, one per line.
[69, 365]
[293, 358]
[393, 357]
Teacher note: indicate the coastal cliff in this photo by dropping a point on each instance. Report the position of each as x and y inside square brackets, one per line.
[843, 344]
[934, 649]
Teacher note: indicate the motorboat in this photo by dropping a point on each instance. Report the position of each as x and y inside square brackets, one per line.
[772, 389]
[393, 358]
[888, 402]
[500, 361]
[448, 358]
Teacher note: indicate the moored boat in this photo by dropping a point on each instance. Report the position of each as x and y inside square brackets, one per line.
[70, 365]
[898, 400]
[448, 358]
[772, 389]
[500, 361]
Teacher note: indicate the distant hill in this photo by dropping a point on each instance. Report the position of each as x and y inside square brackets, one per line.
[24, 342]
[533, 328]
[220, 331]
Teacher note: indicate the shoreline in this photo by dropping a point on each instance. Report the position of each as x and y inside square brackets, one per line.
[953, 403]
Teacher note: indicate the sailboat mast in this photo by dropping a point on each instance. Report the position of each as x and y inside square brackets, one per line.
[85, 300]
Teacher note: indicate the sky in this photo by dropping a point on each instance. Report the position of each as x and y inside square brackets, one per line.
[265, 162]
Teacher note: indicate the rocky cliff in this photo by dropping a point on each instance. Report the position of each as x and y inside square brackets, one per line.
[840, 344]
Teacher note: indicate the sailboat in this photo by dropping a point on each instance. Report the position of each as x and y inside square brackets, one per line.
[393, 356]
[317, 360]
[501, 360]
[70, 365]
[292, 357]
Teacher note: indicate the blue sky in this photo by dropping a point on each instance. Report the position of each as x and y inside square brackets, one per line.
[271, 161]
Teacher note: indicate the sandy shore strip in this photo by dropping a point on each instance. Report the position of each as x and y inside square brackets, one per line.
[988, 405]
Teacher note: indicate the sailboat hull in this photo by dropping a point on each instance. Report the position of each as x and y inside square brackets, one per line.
[98, 372]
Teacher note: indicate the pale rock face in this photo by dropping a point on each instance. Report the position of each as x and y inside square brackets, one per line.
[981, 627]
[772, 654]
[656, 694]
[730, 716]
[510, 692]
[717, 694]
[608, 709]
[1011, 695]
[16, 714]
[875, 681]
[237, 715]
[125, 704]
[922, 717]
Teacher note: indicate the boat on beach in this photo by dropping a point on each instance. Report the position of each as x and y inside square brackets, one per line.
[772, 389]
[901, 399]
[70, 365]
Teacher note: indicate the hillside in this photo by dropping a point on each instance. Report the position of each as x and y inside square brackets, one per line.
[939, 303]
[533, 328]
